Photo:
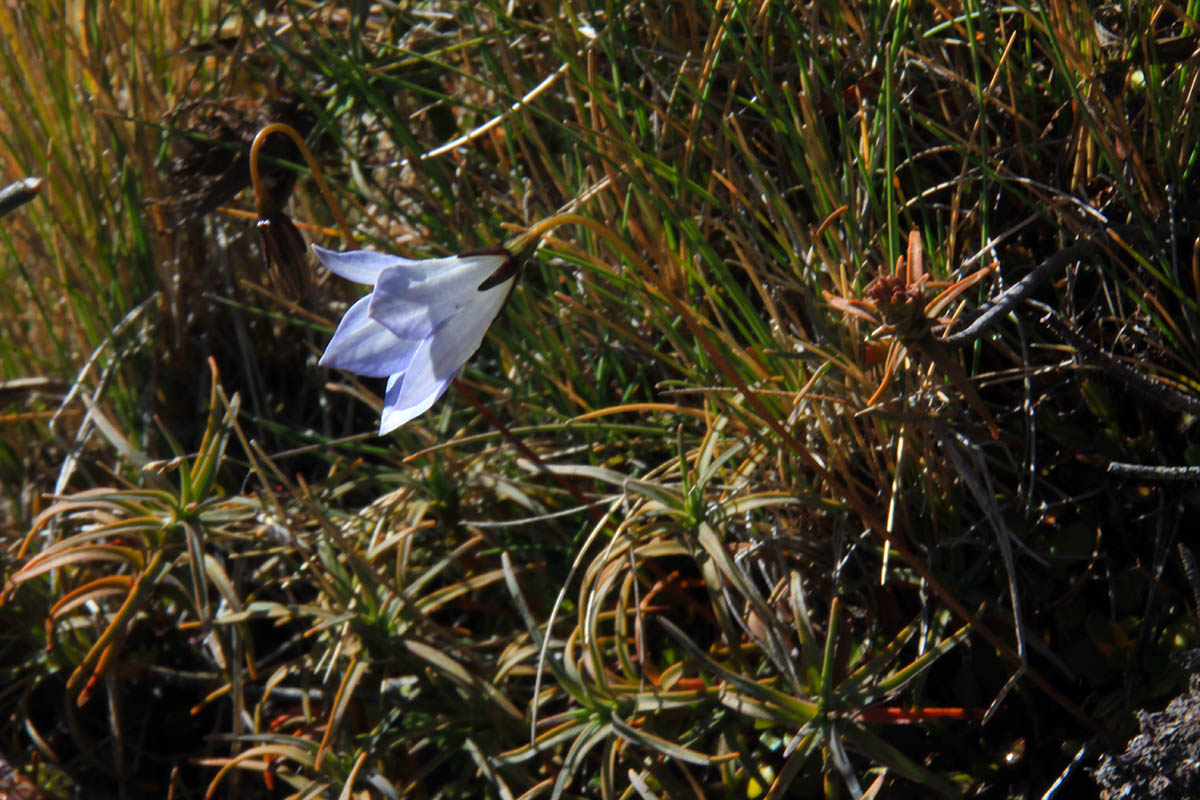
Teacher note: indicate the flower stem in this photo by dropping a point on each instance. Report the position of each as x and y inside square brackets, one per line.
[531, 237]
[260, 194]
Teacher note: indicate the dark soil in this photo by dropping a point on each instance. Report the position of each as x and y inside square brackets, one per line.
[1163, 761]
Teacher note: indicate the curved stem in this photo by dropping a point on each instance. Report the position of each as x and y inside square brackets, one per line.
[260, 193]
[539, 229]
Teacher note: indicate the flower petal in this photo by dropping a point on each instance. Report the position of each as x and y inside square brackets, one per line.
[362, 345]
[365, 266]
[412, 306]
[459, 337]
[438, 359]
[412, 394]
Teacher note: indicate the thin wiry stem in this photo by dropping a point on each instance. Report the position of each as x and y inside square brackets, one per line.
[1087, 350]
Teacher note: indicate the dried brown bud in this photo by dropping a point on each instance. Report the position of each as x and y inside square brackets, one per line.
[286, 255]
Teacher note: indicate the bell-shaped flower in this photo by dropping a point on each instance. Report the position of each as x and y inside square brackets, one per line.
[419, 324]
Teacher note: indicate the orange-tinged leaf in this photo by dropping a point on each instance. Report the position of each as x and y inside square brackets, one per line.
[341, 701]
[100, 656]
[258, 759]
[955, 289]
[888, 371]
[40, 566]
[903, 716]
[856, 308]
[915, 269]
[90, 591]
[875, 353]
